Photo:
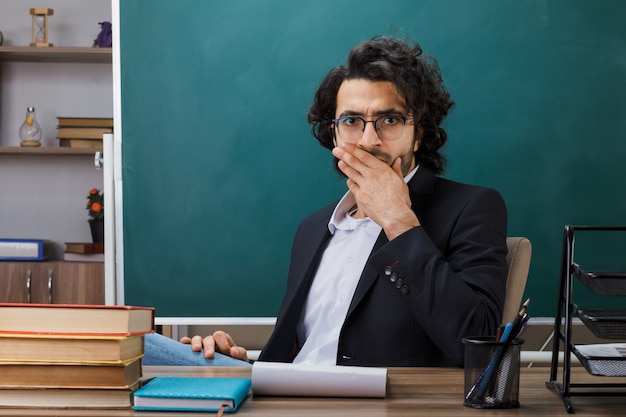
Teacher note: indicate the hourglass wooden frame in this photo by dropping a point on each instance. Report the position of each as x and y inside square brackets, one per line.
[45, 12]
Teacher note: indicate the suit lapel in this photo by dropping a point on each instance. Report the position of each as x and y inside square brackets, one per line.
[305, 265]
[368, 277]
[421, 188]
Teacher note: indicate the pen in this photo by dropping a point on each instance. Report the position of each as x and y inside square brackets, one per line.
[518, 318]
[486, 376]
[503, 379]
[507, 332]
[522, 325]
[517, 322]
[510, 332]
[499, 333]
[480, 378]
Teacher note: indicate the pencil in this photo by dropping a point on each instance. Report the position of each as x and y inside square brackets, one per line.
[518, 319]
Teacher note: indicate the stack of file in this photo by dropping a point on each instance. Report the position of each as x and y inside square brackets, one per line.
[71, 356]
[24, 249]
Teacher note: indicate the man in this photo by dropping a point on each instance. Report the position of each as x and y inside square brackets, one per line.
[407, 263]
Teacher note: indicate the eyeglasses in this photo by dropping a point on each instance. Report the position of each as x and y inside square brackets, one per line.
[389, 127]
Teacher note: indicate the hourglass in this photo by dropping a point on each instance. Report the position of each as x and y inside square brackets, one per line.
[39, 32]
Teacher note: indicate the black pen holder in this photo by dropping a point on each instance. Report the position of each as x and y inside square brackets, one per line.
[491, 372]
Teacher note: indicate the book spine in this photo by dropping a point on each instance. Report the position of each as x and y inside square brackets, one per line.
[23, 250]
[84, 122]
[82, 132]
[83, 257]
[80, 143]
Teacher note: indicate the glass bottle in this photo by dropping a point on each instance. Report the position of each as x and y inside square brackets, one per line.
[30, 131]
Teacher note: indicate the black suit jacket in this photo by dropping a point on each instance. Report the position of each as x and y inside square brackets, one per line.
[419, 294]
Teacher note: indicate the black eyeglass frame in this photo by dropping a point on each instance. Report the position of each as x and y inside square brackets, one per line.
[335, 122]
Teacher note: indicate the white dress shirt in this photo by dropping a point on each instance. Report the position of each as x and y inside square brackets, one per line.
[335, 281]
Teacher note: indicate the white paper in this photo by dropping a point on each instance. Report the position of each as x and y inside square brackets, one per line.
[607, 350]
[288, 379]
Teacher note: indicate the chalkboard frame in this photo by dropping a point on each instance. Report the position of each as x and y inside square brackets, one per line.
[539, 116]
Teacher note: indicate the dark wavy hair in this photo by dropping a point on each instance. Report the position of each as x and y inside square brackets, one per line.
[417, 79]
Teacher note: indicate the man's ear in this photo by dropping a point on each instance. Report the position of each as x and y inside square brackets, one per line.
[418, 139]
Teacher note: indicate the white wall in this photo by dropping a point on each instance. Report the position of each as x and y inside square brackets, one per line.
[74, 23]
[44, 196]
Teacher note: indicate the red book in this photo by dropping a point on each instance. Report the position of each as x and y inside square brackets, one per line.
[84, 247]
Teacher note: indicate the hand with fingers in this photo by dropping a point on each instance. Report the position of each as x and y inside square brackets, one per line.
[220, 342]
[378, 187]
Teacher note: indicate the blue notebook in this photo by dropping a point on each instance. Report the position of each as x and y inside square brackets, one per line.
[170, 393]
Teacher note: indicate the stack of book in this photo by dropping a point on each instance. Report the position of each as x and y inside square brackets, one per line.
[83, 252]
[83, 132]
[71, 356]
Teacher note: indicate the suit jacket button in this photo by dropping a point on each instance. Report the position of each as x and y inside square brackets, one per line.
[404, 290]
[388, 270]
[393, 277]
[399, 283]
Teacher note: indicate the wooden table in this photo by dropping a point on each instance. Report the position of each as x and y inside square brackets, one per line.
[411, 392]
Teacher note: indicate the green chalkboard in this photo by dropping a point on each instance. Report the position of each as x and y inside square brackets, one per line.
[219, 165]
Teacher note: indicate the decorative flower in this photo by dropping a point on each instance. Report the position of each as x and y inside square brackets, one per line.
[95, 204]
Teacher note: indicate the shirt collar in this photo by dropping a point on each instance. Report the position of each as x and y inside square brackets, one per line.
[348, 204]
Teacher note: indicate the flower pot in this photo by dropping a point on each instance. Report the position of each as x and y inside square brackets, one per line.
[97, 230]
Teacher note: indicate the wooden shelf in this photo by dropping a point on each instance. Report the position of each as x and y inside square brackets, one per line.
[48, 150]
[55, 54]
